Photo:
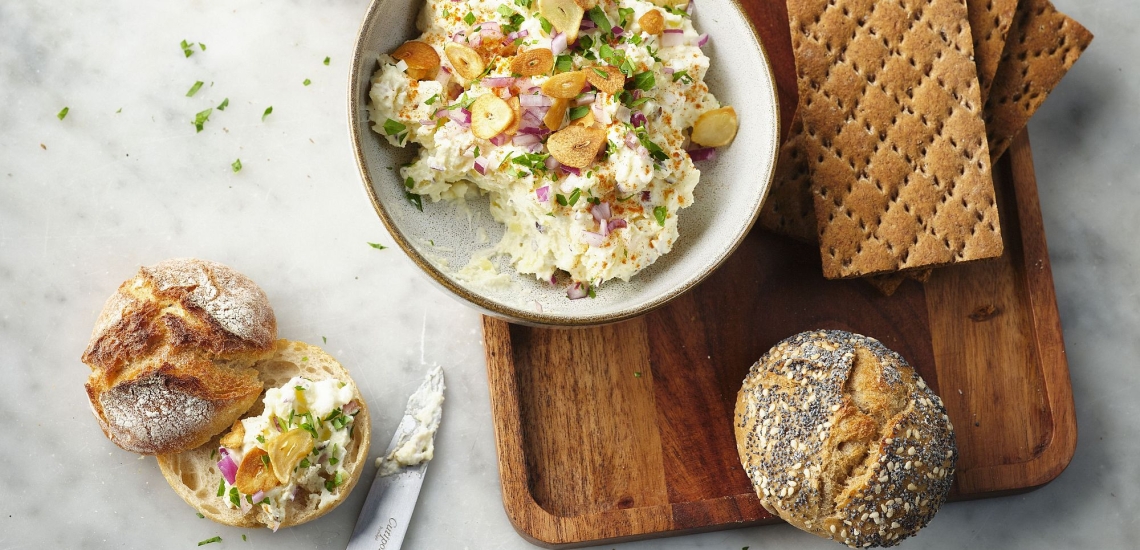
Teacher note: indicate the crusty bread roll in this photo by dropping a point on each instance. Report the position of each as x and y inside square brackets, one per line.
[195, 474]
[842, 439]
[171, 352]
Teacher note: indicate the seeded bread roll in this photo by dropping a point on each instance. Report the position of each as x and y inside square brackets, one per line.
[171, 355]
[195, 474]
[841, 438]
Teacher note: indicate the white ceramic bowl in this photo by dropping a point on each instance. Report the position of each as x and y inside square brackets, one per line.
[440, 240]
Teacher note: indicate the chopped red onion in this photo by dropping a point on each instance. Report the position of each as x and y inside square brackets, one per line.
[481, 166]
[672, 38]
[228, 467]
[587, 24]
[498, 82]
[500, 140]
[443, 77]
[638, 119]
[558, 43]
[623, 113]
[601, 212]
[258, 496]
[593, 239]
[535, 100]
[600, 113]
[618, 31]
[577, 291]
[517, 35]
[427, 122]
[616, 223]
[543, 194]
[526, 140]
[462, 35]
[277, 424]
[689, 8]
[631, 141]
[490, 27]
[553, 281]
[571, 170]
[461, 116]
[534, 131]
[535, 148]
[707, 153]
[668, 70]
[351, 407]
[552, 164]
[586, 99]
[704, 39]
[645, 196]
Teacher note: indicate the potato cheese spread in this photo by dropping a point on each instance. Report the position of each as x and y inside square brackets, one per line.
[580, 120]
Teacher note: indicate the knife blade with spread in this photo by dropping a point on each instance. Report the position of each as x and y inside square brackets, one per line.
[383, 520]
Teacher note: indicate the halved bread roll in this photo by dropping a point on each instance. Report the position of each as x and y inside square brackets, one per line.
[171, 352]
[197, 477]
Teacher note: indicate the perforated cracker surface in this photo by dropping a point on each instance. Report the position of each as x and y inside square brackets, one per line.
[989, 26]
[1043, 45]
[894, 135]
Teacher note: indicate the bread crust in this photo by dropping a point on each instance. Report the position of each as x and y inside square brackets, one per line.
[194, 474]
[841, 438]
[170, 355]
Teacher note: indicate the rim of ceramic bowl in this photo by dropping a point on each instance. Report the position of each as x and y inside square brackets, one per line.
[514, 314]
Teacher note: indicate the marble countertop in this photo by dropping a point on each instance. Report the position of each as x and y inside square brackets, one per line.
[124, 180]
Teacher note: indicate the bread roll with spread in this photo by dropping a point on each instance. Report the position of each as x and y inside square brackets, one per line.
[841, 438]
[292, 458]
[172, 352]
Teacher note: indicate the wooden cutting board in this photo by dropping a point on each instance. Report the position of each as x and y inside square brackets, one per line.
[625, 431]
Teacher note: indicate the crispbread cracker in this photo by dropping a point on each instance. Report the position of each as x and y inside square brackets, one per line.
[1043, 44]
[788, 209]
[887, 284]
[989, 26]
[894, 135]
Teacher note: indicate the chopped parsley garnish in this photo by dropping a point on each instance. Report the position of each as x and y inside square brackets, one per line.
[536, 162]
[324, 340]
[234, 498]
[674, 10]
[563, 63]
[213, 453]
[546, 26]
[265, 459]
[333, 461]
[469, 18]
[210, 540]
[236, 166]
[625, 17]
[327, 60]
[574, 196]
[591, 292]
[505, 10]
[225, 103]
[601, 73]
[119, 111]
[377, 246]
[201, 118]
[683, 76]
[336, 481]
[655, 150]
[187, 49]
[644, 81]
[599, 18]
[514, 22]
[637, 374]
[306, 82]
[194, 89]
[659, 213]
[261, 439]
[523, 3]
[415, 199]
[222, 487]
[63, 113]
[200, 516]
[201, 45]
[243, 538]
[268, 111]
[561, 199]
[431, 100]
[579, 112]
[305, 462]
[392, 127]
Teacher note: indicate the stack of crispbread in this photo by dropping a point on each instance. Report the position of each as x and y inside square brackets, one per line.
[904, 106]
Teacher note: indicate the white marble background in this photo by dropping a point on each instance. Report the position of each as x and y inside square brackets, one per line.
[86, 200]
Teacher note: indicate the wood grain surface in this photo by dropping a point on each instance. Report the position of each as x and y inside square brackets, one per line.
[625, 431]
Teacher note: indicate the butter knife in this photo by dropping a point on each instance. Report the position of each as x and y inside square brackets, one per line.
[383, 520]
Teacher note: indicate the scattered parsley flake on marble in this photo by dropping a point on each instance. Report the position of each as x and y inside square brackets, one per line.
[307, 82]
[327, 60]
[377, 246]
[63, 113]
[201, 118]
[236, 166]
[194, 89]
[225, 103]
[268, 111]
